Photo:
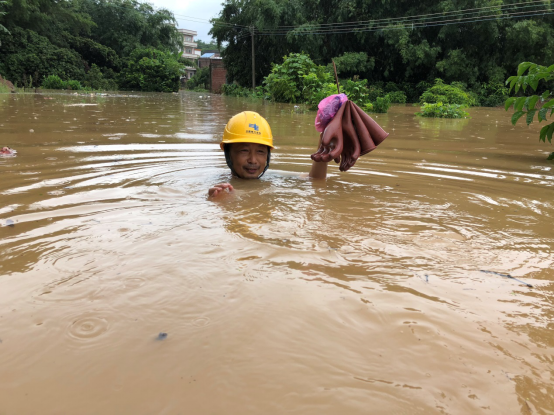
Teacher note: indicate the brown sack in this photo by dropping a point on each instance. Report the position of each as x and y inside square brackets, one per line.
[350, 134]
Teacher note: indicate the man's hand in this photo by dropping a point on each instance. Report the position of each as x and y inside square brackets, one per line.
[218, 189]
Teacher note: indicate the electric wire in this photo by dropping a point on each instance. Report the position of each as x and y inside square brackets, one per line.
[404, 24]
[408, 26]
[392, 23]
[206, 21]
[300, 30]
[533, 3]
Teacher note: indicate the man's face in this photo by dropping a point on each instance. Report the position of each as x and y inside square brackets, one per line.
[249, 159]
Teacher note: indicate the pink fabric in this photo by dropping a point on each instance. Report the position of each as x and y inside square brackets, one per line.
[6, 151]
[327, 108]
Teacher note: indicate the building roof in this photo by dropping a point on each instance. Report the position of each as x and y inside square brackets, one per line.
[187, 32]
[207, 55]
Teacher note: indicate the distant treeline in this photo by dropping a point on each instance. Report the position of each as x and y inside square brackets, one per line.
[474, 42]
[102, 44]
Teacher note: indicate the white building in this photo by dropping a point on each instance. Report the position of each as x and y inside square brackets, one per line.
[191, 51]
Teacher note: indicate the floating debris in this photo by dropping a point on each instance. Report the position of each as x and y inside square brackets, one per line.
[7, 152]
[507, 276]
[10, 222]
[162, 336]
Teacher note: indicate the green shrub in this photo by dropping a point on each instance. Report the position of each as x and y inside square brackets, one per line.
[352, 64]
[440, 110]
[259, 92]
[323, 91]
[412, 94]
[153, 70]
[73, 85]
[446, 94]
[95, 79]
[391, 87]
[235, 90]
[357, 92]
[297, 79]
[368, 107]
[313, 88]
[492, 94]
[397, 97]
[200, 80]
[375, 91]
[381, 104]
[456, 84]
[421, 87]
[53, 82]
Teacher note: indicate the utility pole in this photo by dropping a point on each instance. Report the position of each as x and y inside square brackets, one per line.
[253, 60]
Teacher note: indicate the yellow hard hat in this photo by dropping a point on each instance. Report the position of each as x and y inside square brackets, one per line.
[247, 127]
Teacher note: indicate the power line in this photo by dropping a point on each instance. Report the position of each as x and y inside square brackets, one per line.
[404, 26]
[533, 3]
[206, 21]
[414, 23]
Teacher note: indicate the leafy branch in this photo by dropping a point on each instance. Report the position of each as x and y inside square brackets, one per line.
[2, 28]
[530, 75]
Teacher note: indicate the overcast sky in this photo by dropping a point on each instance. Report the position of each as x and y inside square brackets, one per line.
[199, 9]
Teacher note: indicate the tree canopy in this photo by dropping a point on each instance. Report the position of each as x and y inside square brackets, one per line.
[67, 38]
[469, 41]
[207, 45]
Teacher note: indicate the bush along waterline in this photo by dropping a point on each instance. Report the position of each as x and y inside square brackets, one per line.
[446, 101]
[298, 80]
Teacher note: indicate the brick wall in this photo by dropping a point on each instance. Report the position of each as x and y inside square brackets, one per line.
[218, 75]
[203, 62]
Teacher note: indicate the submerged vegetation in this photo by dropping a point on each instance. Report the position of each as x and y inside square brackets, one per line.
[440, 110]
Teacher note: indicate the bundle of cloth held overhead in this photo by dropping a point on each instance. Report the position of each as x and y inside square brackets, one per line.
[347, 132]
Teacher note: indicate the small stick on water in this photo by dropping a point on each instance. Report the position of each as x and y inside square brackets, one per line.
[336, 77]
[506, 276]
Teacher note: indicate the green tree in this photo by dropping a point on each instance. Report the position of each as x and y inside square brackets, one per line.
[232, 28]
[152, 70]
[95, 79]
[27, 54]
[447, 94]
[71, 38]
[296, 79]
[200, 80]
[207, 45]
[353, 63]
[2, 28]
[476, 51]
[532, 75]
[125, 25]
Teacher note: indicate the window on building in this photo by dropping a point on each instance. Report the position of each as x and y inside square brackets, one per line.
[188, 38]
[188, 50]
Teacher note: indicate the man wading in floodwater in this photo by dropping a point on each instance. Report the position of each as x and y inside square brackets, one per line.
[247, 143]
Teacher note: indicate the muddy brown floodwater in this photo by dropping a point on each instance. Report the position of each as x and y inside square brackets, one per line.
[363, 294]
